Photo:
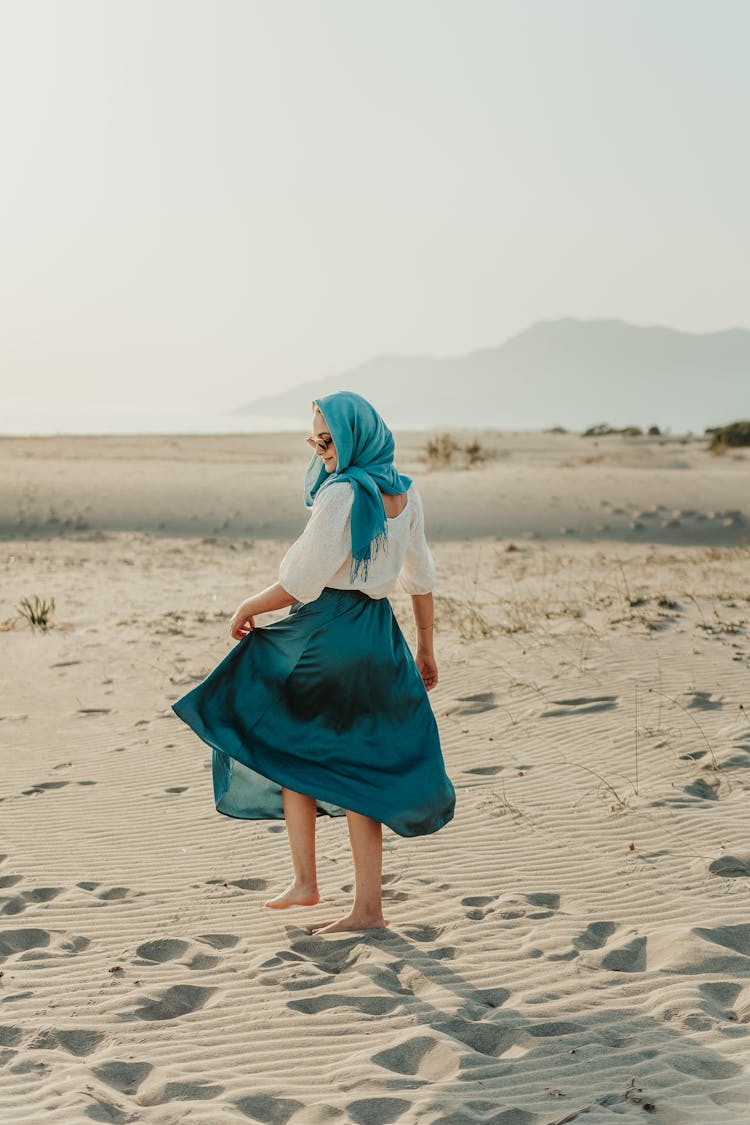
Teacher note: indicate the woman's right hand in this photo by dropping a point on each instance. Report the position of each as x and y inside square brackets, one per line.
[242, 622]
[427, 669]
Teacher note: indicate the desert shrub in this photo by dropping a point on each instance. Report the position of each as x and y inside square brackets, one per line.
[731, 436]
[443, 450]
[36, 612]
[601, 429]
[475, 453]
[654, 431]
[555, 430]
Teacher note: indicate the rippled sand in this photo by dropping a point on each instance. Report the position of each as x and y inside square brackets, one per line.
[574, 945]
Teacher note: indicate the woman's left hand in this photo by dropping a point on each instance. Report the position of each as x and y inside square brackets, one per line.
[242, 622]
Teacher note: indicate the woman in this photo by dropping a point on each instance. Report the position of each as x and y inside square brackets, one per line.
[326, 711]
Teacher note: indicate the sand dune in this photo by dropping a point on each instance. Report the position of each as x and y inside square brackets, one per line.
[539, 486]
[574, 946]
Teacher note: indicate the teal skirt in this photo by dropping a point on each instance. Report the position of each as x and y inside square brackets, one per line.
[328, 702]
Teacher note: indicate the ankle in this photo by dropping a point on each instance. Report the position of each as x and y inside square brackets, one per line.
[306, 883]
[372, 911]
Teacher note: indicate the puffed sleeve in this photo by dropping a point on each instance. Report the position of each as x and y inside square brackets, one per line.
[417, 574]
[324, 545]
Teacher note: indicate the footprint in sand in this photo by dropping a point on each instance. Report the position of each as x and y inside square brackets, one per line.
[105, 1110]
[595, 935]
[737, 761]
[268, 1107]
[726, 1000]
[281, 960]
[249, 884]
[219, 941]
[367, 1005]
[185, 1092]
[704, 790]
[487, 1038]
[704, 701]
[179, 1000]
[546, 903]
[33, 944]
[243, 884]
[700, 790]
[377, 1111]
[625, 955]
[112, 894]
[700, 1064]
[487, 998]
[125, 1077]
[479, 906]
[42, 787]
[16, 904]
[581, 705]
[731, 866]
[421, 1056]
[423, 933]
[513, 906]
[334, 956]
[75, 1041]
[472, 704]
[10, 1036]
[128, 1077]
[161, 950]
[736, 938]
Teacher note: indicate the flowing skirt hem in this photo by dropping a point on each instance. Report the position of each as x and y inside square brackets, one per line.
[317, 793]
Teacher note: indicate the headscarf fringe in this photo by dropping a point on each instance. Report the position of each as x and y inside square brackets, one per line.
[361, 567]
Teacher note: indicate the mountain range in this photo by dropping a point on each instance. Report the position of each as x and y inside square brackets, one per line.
[568, 372]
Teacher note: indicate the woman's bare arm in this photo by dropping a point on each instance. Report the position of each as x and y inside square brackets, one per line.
[273, 597]
[424, 616]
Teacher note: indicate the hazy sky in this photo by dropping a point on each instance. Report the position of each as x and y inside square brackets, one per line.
[208, 200]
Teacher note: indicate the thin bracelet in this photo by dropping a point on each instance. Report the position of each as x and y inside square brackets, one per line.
[425, 626]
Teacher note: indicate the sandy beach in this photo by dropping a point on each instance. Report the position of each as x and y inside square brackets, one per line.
[575, 945]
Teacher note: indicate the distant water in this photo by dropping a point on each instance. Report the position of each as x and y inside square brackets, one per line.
[19, 417]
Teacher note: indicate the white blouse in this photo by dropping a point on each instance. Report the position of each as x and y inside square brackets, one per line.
[322, 555]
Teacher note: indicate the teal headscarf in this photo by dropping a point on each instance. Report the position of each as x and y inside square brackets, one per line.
[364, 446]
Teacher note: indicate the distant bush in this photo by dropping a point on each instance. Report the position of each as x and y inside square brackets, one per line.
[443, 451]
[555, 430]
[475, 453]
[654, 431]
[440, 451]
[601, 429]
[731, 436]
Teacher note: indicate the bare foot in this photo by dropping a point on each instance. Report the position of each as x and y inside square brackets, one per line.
[351, 922]
[295, 895]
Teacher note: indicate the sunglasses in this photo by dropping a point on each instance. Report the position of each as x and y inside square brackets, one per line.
[319, 444]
